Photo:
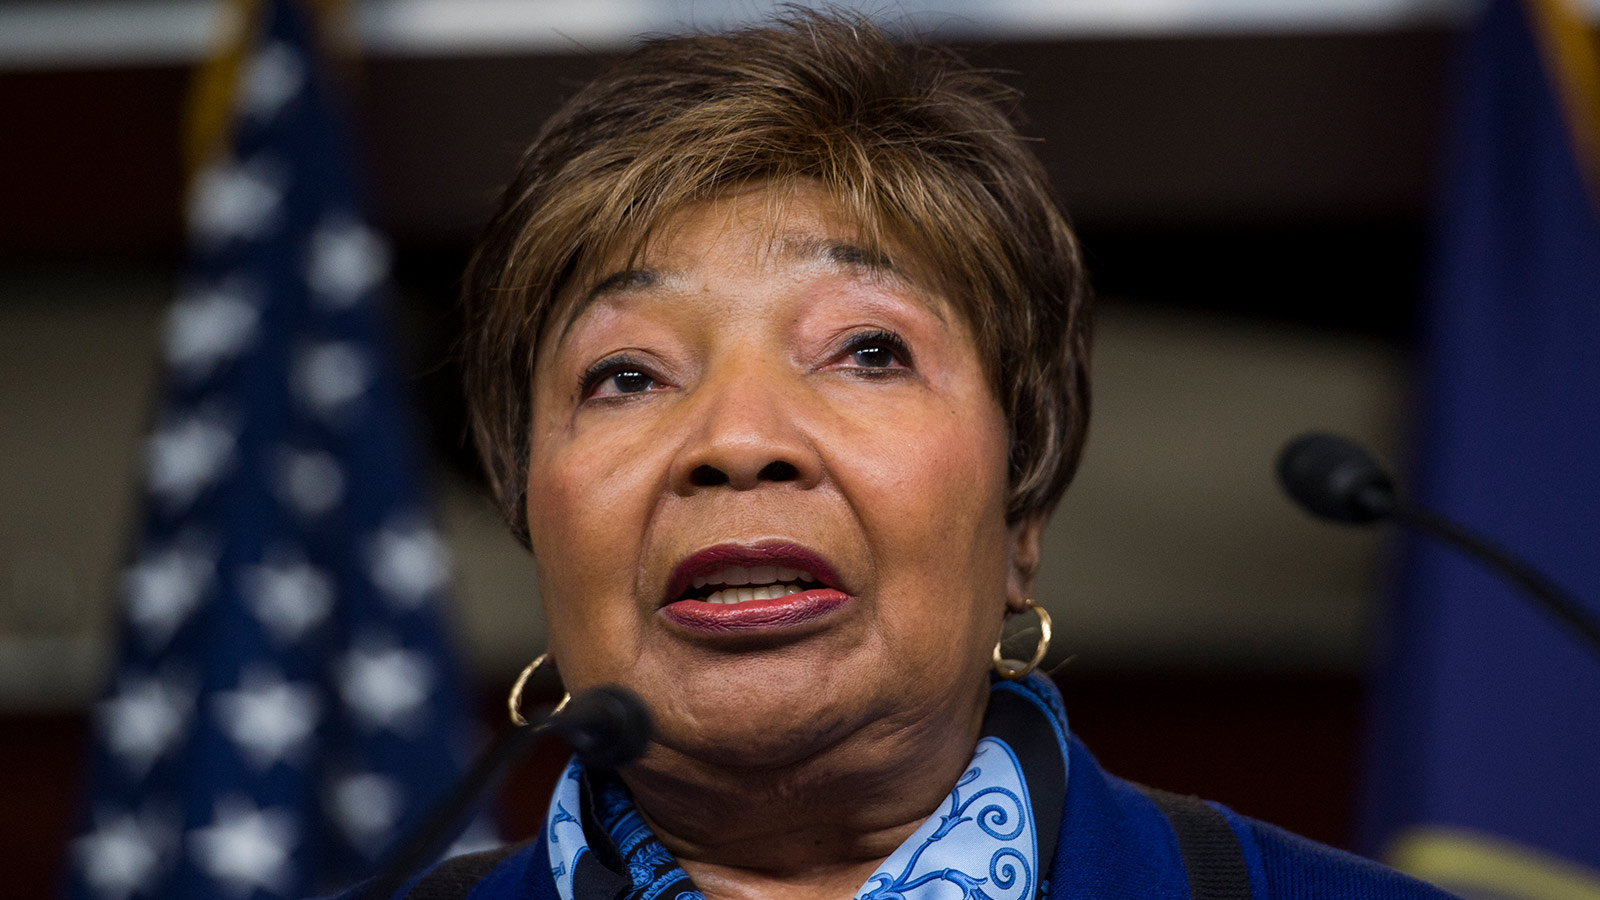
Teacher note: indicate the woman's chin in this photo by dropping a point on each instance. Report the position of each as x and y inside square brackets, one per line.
[758, 713]
[743, 751]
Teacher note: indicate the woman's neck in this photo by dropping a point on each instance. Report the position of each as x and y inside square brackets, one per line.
[811, 830]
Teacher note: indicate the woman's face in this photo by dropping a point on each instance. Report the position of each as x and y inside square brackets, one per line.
[767, 487]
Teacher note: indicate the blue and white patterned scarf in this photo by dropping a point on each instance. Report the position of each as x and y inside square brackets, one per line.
[993, 839]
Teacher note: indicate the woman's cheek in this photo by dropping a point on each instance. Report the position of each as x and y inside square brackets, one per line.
[927, 448]
[593, 460]
[585, 603]
[562, 496]
[954, 470]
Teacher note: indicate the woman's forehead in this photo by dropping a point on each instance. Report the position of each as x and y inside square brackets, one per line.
[781, 222]
[788, 227]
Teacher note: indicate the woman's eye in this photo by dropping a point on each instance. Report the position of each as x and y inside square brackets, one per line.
[616, 378]
[630, 381]
[877, 351]
[874, 357]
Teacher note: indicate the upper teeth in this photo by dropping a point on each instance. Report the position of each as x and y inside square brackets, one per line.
[735, 575]
[745, 595]
[766, 583]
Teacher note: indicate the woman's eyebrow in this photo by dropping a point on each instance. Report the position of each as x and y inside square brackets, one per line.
[615, 283]
[840, 253]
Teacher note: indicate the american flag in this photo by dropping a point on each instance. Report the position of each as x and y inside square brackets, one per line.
[283, 703]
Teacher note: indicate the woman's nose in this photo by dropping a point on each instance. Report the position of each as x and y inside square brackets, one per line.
[744, 431]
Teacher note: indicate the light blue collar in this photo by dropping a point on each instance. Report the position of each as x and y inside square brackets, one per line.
[983, 843]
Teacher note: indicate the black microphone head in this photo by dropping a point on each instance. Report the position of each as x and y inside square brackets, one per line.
[1333, 477]
[606, 726]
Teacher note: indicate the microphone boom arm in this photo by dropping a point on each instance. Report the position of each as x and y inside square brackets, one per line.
[605, 726]
[1550, 596]
[1332, 477]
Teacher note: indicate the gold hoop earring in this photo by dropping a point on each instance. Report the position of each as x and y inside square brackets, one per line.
[1009, 672]
[514, 702]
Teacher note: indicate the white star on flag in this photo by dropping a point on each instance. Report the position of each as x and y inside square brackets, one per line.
[124, 854]
[165, 587]
[385, 684]
[346, 260]
[330, 376]
[186, 456]
[287, 595]
[246, 848]
[272, 76]
[144, 719]
[367, 805]
[408, 561]
[210, 326]
[309, 481]
[236, 200]
[268, 718]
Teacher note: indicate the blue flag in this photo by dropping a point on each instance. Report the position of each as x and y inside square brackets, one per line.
[1485, 763]
[283, 703]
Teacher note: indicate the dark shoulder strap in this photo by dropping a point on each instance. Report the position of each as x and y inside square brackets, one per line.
[1211, 854]
[454, 878]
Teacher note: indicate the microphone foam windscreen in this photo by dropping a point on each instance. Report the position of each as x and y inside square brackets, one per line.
[1333, 477]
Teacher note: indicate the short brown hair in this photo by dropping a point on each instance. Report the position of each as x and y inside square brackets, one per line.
[912, 142]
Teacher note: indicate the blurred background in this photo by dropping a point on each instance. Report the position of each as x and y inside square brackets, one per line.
[1252, 181]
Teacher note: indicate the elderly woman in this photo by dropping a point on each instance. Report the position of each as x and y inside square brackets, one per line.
[778, 357]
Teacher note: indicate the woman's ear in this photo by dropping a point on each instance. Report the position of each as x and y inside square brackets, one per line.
[1025, 537]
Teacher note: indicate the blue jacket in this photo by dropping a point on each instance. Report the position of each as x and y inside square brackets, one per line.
[1115, 843]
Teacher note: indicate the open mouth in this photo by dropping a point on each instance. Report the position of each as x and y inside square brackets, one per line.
[744, 584]
[730, 574]
[765, 590]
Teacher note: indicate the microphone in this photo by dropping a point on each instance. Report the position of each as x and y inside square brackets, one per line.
[1334, 478]
[605, 726]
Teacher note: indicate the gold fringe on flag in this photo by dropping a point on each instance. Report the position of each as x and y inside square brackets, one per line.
[1472, 863]
[208, 115]
[1572, 61]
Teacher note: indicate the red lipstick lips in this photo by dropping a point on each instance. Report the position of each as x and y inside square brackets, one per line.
[766, 614]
